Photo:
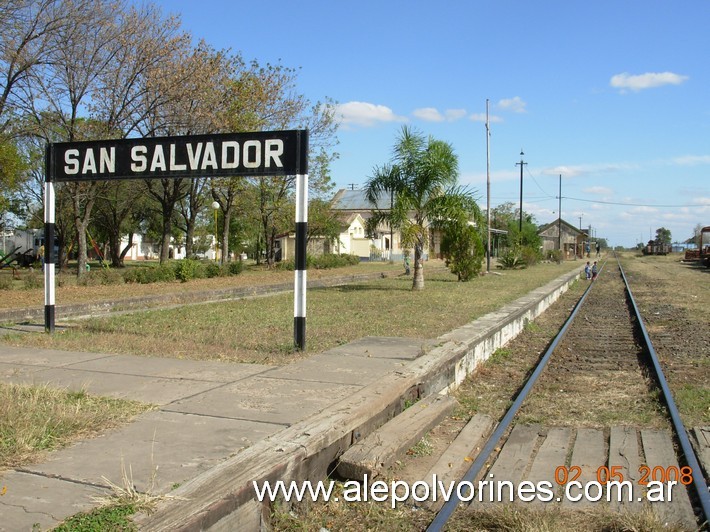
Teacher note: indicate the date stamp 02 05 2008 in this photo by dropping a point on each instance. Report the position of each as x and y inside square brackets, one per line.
[682, 475]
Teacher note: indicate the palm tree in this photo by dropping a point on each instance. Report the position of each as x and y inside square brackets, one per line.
[422, 182]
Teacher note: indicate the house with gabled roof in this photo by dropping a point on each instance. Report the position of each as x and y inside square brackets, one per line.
[386, 242]
[562, 235]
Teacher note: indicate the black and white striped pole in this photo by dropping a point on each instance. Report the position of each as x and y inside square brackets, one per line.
[299, 299]
[49, 258]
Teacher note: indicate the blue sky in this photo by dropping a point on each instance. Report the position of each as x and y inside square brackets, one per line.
[613, 95]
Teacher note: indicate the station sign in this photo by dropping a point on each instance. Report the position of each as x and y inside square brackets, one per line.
[264, 153]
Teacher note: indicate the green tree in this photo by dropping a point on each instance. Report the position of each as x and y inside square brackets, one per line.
[461, 243]
[426, 193]
[12, 174]
[663, 235]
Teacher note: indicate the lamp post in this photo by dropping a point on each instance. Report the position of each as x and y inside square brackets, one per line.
[215, 207]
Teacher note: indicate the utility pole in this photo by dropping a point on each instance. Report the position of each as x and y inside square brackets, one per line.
[520, 224]
[488, 191]
[559, 218]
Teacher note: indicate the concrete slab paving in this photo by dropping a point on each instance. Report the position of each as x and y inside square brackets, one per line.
[173, 368]
[44, 357]
[160, 449]
[384, 347]
[152, 390]
[281, 401]
[337, 368]
[34, 502]
[18, 372]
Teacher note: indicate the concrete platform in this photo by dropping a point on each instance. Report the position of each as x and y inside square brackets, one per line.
[220, 426]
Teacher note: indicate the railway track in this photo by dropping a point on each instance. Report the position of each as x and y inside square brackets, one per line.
[603, 374]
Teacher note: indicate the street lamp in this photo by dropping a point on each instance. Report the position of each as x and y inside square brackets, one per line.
[215, 206]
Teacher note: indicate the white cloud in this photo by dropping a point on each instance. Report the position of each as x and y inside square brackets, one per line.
[431, 114]
[648, 80]
[514, 105]
[481, 117]
[567, 171]
[643, 210]
[365, 114]
[583, 170]
[602, 191]
[454, 114]
[692, 160]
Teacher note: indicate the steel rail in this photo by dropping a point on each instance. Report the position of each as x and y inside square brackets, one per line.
[699, 481]
[449, 506]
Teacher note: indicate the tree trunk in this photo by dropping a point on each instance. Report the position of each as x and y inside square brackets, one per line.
[167, 230]
[81, 222]
[225, 233]
[82, 259]
[125, 250]
[115, 248]
[189, 237]
[418, 281]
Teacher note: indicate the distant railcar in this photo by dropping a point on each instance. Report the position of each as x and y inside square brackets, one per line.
[704, 247]
[656, 248]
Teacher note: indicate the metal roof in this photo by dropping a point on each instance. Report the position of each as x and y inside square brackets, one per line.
[355, 200]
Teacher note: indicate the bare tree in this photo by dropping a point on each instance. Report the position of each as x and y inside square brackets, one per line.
[108, 61]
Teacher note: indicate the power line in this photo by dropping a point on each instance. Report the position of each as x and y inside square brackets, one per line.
[538, 185]
[638, 204]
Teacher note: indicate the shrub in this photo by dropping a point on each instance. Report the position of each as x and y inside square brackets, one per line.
[133, 275]
[235, 268]
[510, 259]
[330, 260]
[104, 276]
[186, 269]
[554, 255]
[212, 269]
[531, 255]
[463, 248]
[163, 273]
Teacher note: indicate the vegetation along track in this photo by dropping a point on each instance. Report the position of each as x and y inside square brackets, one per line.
[601, 406]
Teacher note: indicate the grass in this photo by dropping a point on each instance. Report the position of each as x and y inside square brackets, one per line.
[517, 518]
[694, 402]
[37, 419]
[423, 447]
[67, 290]
[260, 330]
[115, 518]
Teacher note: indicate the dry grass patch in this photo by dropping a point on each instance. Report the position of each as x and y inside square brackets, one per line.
[518, 518]
[37, 419]
[260, 330]
[672, 297]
